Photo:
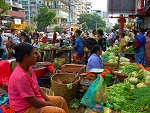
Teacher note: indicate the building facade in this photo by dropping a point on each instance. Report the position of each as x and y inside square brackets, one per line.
[31, 8]
[89, 7]
[14, 16]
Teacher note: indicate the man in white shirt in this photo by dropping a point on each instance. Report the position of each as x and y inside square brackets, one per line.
[13, 35]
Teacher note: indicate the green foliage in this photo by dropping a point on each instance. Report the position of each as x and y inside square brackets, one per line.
[44, 17]
[84, 26]
[100, 28]
[4, 6]
[116, 26]
[28, 29]
[91, 20]
[58, 29]
[107, 29]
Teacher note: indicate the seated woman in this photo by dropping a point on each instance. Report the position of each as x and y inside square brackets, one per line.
[25, 96]
[95, 60]
[59, 61]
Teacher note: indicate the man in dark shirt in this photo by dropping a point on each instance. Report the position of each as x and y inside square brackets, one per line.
[36, 35]
[101, 40]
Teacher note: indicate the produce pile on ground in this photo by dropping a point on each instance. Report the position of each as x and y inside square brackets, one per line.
[122, 97]
[130, 50]
[132, 96]
[112, 58]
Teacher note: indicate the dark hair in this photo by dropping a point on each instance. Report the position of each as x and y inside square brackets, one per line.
[100, 32]
[57, 40]
[9, 37]
[59, 53]
[78, 31]
[1, 37]
[20, 50]
[12, 30]
[148, 32]
[93, 31]
[142, 30]
[123, 34]
[96, 48]
[23, 34]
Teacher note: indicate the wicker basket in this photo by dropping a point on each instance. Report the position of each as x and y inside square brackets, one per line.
[72, 68]
[110, 66]
[120, 76]
[62, 89]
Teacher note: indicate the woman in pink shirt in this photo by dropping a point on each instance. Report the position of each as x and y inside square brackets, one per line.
[25, 95]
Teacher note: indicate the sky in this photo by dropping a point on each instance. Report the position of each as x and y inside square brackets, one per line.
[101, 5]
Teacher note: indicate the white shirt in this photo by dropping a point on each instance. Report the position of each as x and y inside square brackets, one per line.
[111, 36]
[14, 37]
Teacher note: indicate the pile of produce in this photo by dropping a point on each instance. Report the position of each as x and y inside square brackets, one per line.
[65, 47]
[112, 58]
[139, 102]
[42, 46]
[122, 97]
[118, 94]
[139, 79]
[115, 49]
[129, 68]
[123, 62]
[130, 50]
[48, 47]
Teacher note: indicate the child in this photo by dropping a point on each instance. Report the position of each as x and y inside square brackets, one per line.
[57, 44]
[122, 45]
[36, 44]
[59, 61]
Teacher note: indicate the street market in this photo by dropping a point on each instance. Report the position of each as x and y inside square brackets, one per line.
[77, 67]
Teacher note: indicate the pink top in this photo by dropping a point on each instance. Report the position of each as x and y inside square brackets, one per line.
[20, 86]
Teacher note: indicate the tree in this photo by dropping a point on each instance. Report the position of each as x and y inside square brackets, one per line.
[92, 20]
[84, 26]
[107, 29]
[28, 29]
[44, 17]
[4, 7]
[58, 29]
[116, 26]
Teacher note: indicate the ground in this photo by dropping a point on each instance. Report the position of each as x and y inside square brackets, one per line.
[81, 109]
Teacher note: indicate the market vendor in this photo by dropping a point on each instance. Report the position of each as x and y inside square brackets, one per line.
[95, 60]
[25, 96]
[122, 45]
[59, 61]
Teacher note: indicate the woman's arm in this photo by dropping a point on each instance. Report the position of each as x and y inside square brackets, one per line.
[44, 95]
[33, 101]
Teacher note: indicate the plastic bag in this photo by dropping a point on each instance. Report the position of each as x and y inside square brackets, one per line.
[96, 93]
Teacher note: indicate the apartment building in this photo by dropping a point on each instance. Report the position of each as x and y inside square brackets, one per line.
[31, 8]
[14, 15]
[89, 7]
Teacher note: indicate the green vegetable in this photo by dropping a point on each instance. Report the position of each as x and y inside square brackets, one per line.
[118, 95]
[130, 68]
[140, 101]
[130, 50]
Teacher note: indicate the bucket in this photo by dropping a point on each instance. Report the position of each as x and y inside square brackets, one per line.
[108, 78]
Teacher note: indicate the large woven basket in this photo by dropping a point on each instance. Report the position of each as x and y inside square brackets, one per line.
[73, 68]
[120, 76]
[110, 66]
[62, 89]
